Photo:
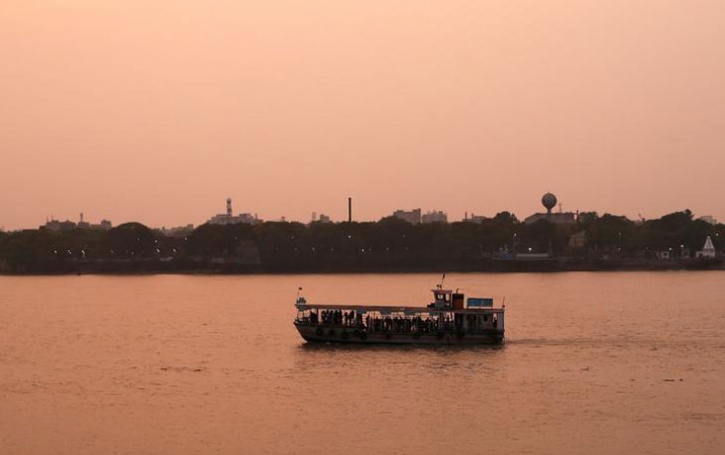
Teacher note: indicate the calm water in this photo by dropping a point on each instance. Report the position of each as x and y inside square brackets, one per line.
[597, 363]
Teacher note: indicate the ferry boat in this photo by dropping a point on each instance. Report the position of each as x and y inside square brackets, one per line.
[449, 319]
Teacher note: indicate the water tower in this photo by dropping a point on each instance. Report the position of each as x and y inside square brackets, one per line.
[549, 201]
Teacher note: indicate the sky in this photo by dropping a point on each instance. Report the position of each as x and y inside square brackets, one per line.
[156, 111]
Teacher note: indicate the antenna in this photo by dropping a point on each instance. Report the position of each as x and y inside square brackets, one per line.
[443, 278]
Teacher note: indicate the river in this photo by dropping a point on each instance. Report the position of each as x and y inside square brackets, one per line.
[596, 363]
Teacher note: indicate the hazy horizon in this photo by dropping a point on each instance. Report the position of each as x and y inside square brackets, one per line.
[342, 218]
[157, 111]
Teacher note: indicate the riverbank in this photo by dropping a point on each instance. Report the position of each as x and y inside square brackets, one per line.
[489, 265]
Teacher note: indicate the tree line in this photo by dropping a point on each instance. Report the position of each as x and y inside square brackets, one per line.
[500, 243]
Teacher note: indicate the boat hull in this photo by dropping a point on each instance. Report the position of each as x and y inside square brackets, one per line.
[350, 335]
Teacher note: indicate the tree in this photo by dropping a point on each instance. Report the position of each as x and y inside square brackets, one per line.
[506, 219]
[613, 233]
[667, 231]
[132, 240]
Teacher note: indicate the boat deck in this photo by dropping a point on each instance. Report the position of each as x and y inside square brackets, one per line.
[399, 309]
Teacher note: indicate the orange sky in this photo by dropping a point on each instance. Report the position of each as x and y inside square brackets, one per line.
[156, 111]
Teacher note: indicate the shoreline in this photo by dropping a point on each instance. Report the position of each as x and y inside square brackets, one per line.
[548, 265]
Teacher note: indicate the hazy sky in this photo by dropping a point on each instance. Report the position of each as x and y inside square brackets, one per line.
[156, 111]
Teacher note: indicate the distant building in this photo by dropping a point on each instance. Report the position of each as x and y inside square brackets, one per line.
[663, 254]
[67, 225]
[55, 225]
[321, 219]
[708, 219]
[708, 250]
[179, 231]
[83, 224]
[413, 216]
[230, 218]
[555, 218]
[578, 240]
[434, 217]
[478, 219]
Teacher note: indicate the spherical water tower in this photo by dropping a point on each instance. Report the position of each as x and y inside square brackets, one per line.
[549, 201]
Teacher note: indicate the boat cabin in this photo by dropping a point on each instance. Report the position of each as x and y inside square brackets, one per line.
[444, 299]
[447, 300]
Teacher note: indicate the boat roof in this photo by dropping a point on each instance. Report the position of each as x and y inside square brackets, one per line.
[399, 309]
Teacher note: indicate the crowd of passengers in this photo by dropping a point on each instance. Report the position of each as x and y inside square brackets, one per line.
[337, 317]
[384, 324]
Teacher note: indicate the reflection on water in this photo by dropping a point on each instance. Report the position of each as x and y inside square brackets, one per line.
[592, 363]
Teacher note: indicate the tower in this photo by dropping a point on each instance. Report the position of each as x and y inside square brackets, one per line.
[229, 207]
[549, 201]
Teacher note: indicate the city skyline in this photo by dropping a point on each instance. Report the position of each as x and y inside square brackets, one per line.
[421, 215]
[156, 111]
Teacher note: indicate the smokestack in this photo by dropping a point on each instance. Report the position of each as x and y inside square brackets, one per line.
[349, 210]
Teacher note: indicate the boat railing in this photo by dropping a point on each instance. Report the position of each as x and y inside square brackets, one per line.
[383, 326]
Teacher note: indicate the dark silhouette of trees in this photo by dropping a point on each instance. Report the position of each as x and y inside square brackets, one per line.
[132, 240]
[210, 240]
[678, 232]
[613, 233]
[388, 245]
